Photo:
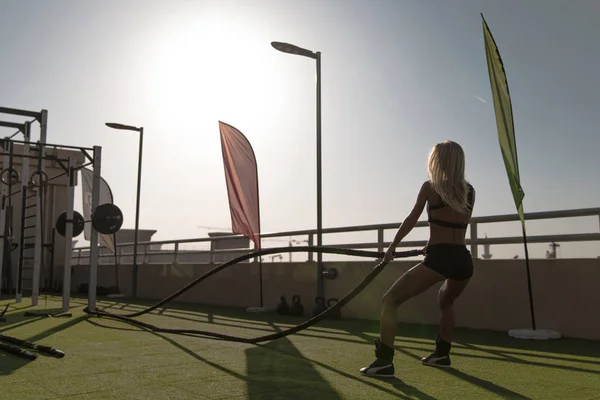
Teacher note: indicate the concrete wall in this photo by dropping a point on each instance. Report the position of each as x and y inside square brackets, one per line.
[564, 291]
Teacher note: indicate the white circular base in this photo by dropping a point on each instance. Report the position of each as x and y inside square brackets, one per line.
[536, 334]
[260, 309]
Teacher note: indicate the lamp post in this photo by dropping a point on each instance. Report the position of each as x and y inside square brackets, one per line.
[293, 49]
[137, 205]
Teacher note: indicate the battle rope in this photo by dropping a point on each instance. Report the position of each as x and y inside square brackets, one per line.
[328, 250]
[33, 346]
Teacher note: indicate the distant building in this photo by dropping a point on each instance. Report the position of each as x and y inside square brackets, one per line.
[486, 251]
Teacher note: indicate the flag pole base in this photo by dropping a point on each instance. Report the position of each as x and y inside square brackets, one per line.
[260, 309]
[535, 334]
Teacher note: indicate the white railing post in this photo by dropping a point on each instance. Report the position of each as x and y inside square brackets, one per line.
[380, 240]
[176, 253]
[474, 240]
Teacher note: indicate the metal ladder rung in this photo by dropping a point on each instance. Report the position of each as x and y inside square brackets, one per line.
[30, 206]
[29, 237]
[29, 226]
[30, 216]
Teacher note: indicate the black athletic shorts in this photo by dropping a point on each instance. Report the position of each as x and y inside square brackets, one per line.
[454, 261]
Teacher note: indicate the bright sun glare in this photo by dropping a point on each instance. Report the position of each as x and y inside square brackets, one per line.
[199, 63]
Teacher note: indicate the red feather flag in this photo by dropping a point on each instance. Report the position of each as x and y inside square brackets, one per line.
[241, 175]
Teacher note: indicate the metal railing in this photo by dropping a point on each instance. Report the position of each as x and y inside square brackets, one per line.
[150, 255]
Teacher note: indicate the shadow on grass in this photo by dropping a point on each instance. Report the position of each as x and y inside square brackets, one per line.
[482, 383]
[473, 380]
[506, 349]
[286, 348]
[276, 374]
[270, 375]
[9, 363]
[49, 332]
[277, 370]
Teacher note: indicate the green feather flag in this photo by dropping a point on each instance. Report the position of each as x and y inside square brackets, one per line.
[504, 118]
[506, 136]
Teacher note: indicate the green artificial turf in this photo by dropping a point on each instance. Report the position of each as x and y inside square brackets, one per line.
[107, 359]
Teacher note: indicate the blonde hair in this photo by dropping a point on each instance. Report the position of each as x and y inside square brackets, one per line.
[446, 170]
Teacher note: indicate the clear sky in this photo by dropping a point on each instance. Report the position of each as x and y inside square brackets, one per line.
[398, 76]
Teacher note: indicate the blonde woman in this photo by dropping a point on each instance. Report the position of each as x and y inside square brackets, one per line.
[450, 200]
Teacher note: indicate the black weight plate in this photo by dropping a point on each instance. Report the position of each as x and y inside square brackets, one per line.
[107, 219]
[78, 224]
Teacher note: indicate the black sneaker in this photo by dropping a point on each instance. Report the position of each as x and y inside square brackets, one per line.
[440, 357]
[383, 366]
[436, 361]
[379, 368]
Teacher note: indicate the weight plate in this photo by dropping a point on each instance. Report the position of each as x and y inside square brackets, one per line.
[107, 219]
[78, 224]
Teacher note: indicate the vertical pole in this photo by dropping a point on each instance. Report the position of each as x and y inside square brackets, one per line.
[474, 249]
[116, 258]
[68, 236]
[93, 233]
[380, 239]
[39, 232]
[46, 233]
[43, 126]
[319, 196]
[9, 225]
[37, 248]
[24, 194]
[3, 230]
[137, 216]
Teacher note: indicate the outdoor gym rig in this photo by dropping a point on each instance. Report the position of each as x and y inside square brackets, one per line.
[31, 239]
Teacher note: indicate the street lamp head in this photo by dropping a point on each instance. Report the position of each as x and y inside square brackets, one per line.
[122, 127]
[293, 49]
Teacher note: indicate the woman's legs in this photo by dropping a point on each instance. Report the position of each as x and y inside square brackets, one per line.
[415, 281]
[412, 283]
[449, 292]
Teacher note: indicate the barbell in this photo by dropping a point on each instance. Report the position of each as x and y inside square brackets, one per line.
[106, 219]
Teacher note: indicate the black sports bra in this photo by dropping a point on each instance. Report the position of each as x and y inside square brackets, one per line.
[453, 225]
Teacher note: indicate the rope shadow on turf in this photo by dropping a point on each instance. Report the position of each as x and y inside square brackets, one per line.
[514, 356]
[55, 329]
[487, 385]
[475, 381]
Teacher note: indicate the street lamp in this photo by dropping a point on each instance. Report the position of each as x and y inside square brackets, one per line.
[137, 205]
[293, 49]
